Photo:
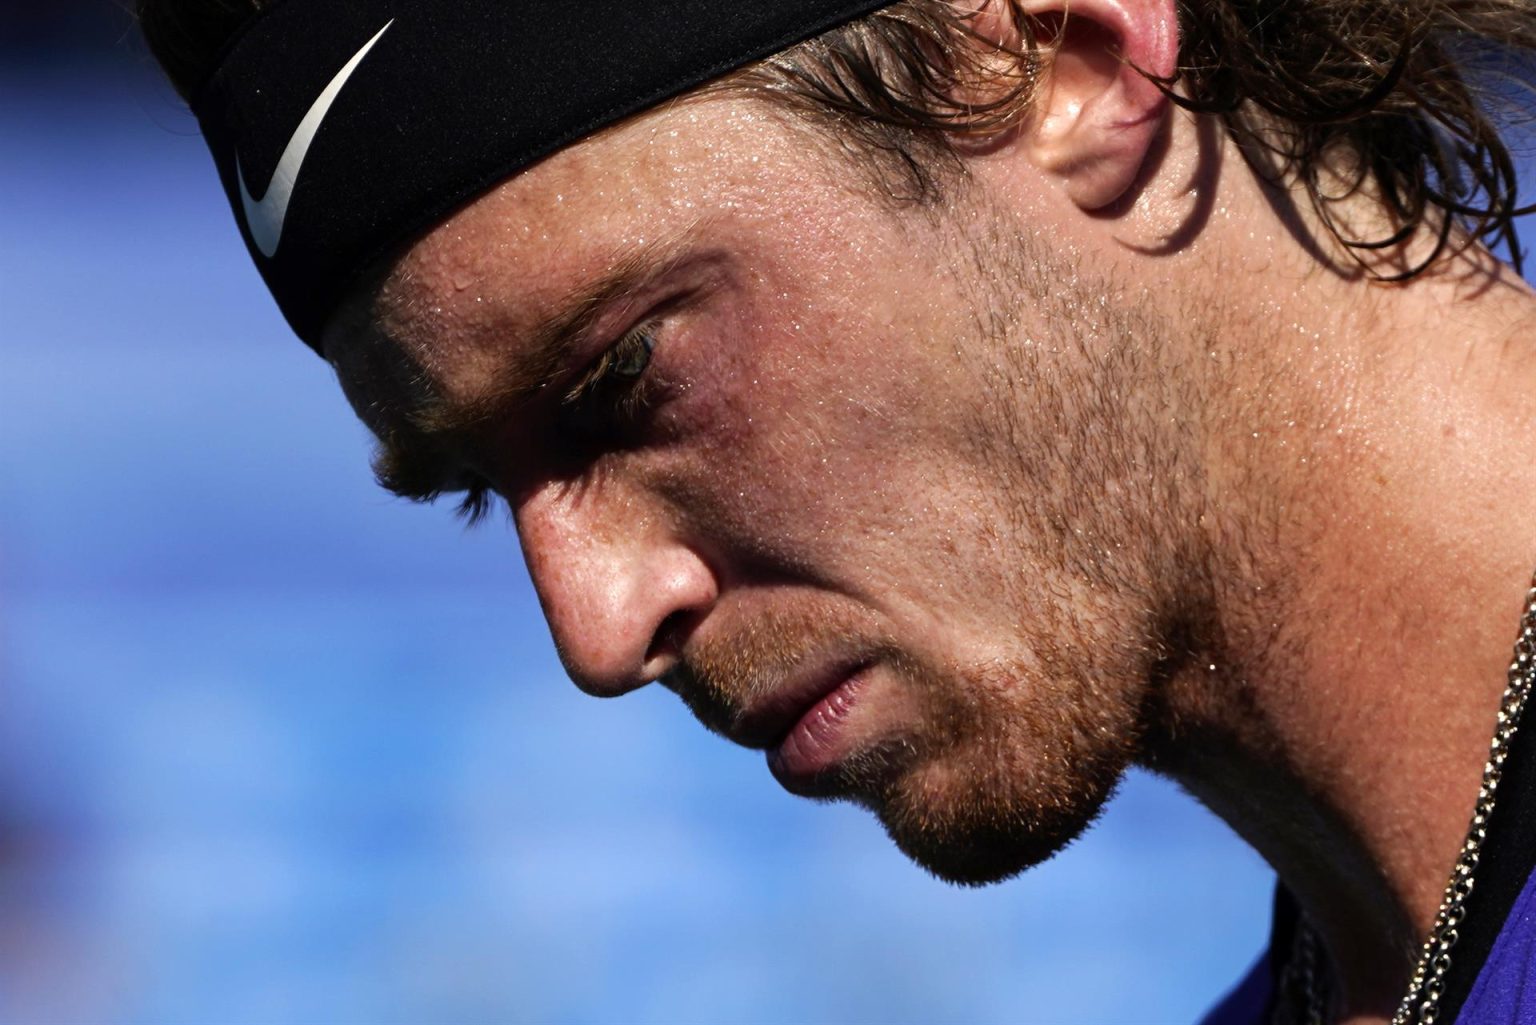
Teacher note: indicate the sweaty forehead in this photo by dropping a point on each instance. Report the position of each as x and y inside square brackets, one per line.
[459, 302]
[373, 117]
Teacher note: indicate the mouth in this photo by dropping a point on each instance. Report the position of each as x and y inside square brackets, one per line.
[803, 728]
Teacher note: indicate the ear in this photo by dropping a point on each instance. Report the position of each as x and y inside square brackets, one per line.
[1096, 114]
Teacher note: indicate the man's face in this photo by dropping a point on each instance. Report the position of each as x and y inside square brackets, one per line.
[867, 487]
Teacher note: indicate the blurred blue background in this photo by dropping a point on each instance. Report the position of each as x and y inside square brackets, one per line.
[275, 747]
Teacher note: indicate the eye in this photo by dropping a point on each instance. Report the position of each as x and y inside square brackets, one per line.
[610, 397]
[633, 354]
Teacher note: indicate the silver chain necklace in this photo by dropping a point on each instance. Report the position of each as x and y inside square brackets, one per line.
[1421, 1004]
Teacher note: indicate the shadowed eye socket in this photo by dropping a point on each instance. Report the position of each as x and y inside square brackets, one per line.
[598, 412]
[610, 398]
[625, 361]
[633, 355]
[404, 472]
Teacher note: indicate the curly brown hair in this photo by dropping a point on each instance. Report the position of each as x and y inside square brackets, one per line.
[1407, 98]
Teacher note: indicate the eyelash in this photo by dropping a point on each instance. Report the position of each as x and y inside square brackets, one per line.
[611, 396]
[590, 408]
[478, 502]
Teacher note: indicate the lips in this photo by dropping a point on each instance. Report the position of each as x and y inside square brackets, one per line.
[800, 725]
[767, 724]
[819, 739]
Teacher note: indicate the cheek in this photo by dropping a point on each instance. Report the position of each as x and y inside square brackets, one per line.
[839, 443]
[794, 431]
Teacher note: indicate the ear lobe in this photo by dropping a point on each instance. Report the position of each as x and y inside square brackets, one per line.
[1097, 114]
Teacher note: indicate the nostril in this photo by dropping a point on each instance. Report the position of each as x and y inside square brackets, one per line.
[667, 642]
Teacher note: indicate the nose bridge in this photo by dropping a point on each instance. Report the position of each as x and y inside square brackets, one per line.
[612, 577]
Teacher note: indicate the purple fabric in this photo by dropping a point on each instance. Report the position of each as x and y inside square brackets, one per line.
[1505, 991]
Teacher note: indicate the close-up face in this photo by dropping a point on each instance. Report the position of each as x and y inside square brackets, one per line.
[1002, 425]
[866, 485]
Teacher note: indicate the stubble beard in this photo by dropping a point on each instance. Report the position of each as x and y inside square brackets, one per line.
[1096, 476]
[1003, 763]
[1003, 780]
[1011, 759]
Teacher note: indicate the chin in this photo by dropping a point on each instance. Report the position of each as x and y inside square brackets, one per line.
[972, 825]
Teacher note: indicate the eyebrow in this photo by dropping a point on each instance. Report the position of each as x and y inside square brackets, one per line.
[412, 461]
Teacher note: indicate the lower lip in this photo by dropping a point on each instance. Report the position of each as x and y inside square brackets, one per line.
[819, 741]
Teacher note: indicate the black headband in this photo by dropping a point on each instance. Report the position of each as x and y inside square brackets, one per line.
[345, 128]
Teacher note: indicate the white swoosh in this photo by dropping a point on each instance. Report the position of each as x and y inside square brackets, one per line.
[265, 216]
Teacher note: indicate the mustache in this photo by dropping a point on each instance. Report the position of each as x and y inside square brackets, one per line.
[719, 679]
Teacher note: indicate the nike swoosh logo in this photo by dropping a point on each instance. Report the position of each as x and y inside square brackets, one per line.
[265, 216]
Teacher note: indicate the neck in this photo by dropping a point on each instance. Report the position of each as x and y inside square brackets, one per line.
[1371, 522]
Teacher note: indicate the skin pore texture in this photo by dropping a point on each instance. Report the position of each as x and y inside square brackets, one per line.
[1029, 484]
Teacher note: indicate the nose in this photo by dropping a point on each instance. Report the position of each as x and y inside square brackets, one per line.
[616, 583]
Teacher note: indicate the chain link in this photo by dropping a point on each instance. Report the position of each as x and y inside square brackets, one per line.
[1421, 1004]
